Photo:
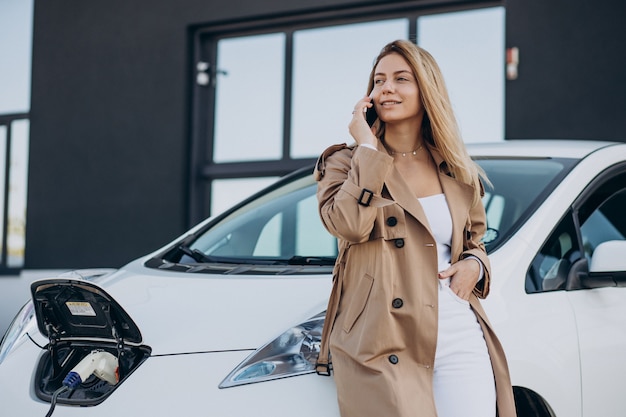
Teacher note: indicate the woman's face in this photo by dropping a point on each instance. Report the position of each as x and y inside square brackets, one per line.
[396, 95]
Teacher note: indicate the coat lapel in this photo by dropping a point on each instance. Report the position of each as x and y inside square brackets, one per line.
[459, 197]
[402, 194]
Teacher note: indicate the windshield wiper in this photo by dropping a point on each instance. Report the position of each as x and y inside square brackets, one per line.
[194, 253]
[201, 257]
[311, 260]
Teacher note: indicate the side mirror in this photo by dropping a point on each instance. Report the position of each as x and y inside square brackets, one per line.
[608, 265]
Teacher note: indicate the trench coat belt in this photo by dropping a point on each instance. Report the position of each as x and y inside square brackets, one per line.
[324, 366]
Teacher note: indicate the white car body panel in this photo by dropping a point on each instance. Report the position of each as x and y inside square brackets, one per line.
[180, 306]
[554, 343]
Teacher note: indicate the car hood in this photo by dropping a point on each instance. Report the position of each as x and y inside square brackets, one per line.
[193, 312]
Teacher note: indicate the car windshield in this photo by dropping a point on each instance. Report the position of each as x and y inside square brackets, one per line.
[281, 229]
[280, 226]
[518, 186]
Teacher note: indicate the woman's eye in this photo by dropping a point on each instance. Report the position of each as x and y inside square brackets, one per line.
[378, 82]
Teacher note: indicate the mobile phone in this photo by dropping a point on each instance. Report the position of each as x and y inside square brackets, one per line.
[371, 116]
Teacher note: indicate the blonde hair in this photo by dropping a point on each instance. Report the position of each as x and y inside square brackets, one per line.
[439, 126]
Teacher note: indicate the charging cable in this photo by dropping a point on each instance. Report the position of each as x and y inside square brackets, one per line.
[53, 402]
[99, 363]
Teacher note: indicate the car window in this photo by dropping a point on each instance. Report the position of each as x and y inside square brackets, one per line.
[295, 231]
[518, 185]
[550, 268]
[600, 214]
[282, 225]
[602, 219]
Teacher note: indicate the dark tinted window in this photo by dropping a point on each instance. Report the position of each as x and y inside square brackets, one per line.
[599, 213]
[518, 187]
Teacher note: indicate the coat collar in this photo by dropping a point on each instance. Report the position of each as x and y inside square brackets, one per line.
[458, 195]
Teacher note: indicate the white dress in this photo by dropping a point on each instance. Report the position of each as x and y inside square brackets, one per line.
[463, 379]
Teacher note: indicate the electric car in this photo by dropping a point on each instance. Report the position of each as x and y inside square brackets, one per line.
[226, 320]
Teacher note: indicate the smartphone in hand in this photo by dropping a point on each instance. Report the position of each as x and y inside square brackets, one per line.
[371, 116]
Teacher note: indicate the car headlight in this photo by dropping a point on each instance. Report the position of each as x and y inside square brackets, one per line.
[22, 324]
[292, 353]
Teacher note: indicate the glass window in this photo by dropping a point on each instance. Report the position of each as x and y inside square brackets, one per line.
[469, 48]
[282, 226]
[249, 98]
[306, 79]
[227, 193]
[3, 151]
[517, 185]
[307, 237]
[330, 73]
[602, 216]
[550, 268]
[18, 181]
[311, 236]
[494, 208]
[601, 219]
[16, 33]
[268, 244]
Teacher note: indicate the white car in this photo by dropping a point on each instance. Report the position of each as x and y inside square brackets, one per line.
[226, 320]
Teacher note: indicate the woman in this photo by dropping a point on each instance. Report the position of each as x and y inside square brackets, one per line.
[404, 326]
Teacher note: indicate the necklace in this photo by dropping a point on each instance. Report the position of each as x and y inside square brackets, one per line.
[392, 152]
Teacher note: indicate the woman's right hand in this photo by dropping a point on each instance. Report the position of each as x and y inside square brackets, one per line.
[358, 127]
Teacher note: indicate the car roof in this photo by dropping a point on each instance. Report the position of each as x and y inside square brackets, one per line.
[557, 148]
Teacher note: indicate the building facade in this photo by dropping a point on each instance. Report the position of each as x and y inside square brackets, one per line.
[148, 116]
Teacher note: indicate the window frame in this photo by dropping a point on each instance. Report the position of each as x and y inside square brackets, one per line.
[203, 44]
[580, 264]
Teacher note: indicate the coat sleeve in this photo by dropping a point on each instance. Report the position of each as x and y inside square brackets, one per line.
[350, 182]
[473, 246]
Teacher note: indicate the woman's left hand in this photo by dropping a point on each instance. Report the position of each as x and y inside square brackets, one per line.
[463, 276]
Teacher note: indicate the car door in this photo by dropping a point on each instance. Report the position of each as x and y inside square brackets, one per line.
[600, 216]
[599, 307]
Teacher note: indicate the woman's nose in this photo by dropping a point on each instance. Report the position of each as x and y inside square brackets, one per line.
[388, 86]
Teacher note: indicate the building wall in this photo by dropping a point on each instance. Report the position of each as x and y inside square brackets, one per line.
[571, 69]
[110, 109]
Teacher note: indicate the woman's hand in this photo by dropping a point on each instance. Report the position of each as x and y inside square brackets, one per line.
[358, 127]
[463, 276]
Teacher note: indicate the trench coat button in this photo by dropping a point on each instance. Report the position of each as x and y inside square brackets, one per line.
[397, 303]
[393, 359]
[399, 243]
[392, 221]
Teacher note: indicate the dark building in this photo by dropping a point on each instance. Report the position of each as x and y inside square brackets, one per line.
[123, 117]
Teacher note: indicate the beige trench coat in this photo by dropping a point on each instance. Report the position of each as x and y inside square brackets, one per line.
[381, 322]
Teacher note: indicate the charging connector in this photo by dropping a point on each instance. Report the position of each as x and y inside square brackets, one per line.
[99, 363]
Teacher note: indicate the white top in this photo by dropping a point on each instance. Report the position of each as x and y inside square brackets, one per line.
[438, 213]
[440, 221]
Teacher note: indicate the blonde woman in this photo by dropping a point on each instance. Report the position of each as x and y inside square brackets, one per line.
[404, 329]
